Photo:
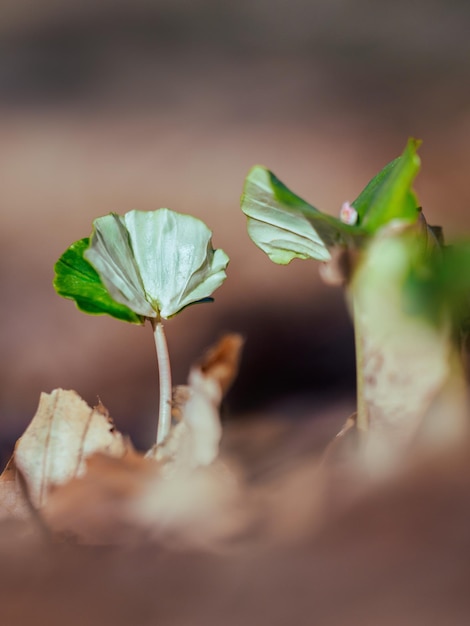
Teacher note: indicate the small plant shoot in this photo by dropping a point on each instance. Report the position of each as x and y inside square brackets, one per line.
[72, 474]
[286, 227]
[143, 266]
[408, 293]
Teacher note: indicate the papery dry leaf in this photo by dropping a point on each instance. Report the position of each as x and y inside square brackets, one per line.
[62, 434]
[13, 503]
[398, 557]
[96, 507]
[201, 417]
[132, 498]
[128, 500]
[193, 496]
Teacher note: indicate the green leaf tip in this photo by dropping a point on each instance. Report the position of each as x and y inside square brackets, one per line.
[151, 263]
[389, 195]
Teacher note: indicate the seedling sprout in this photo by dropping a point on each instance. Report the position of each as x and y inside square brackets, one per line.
[408, 293]
[143, 266]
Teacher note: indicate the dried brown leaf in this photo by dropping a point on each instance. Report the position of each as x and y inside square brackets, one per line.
[13, 503]
[94, 507]
[87, 482]
[221, 361]
[128, 500]
[62, 434]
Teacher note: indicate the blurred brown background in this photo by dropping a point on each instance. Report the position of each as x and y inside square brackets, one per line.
[111, 106]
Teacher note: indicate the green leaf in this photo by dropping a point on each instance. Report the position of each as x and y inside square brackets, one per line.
[76, 279]
[389, 195]
[286, 227]
[438, 285]
[156, 262]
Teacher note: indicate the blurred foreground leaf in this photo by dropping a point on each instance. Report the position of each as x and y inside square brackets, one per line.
[438, 286]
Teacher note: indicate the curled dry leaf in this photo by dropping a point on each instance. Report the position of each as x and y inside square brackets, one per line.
[222, 360]
[194, 441]
[198, 501]
[62, 434]
[201, 417]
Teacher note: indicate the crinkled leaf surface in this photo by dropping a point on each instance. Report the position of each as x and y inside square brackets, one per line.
[286, 227]
[389, 196]
[76, 279]
[156, 262]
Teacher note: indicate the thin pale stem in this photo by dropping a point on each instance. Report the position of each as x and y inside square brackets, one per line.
[164, 373]
[362, 419]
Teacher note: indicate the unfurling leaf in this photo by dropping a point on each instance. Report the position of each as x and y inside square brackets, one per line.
[145, 264]
[157, 262]
[285, 226]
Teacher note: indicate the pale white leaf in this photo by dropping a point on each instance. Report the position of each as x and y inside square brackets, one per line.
[279, 225]
[112, 256]
[156, 262]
